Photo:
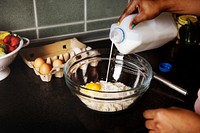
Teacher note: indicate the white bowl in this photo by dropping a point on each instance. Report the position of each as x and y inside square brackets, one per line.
[7, 59]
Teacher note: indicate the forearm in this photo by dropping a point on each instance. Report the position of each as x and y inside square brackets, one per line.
[191, 7]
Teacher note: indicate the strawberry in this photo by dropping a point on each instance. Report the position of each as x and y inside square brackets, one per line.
[7, 39]
[14, 41]
[10, 48]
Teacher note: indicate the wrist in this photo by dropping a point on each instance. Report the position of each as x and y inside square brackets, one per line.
[163, 6]
[167, 5]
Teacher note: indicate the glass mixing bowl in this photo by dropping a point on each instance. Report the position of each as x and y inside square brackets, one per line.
[128, 78]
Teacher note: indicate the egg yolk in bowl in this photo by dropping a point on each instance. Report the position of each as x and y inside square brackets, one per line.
[93, 86]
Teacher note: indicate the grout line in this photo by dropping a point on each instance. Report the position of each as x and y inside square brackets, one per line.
[21, 30]
[98, 30]
[60, 25]
[85, 15]
[102, 19]
[64, 24]
[75, 34]
[94, 40]
[36, 18]
[50, 26]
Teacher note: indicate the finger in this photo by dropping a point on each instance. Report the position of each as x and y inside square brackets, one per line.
[149, 124]
[126, 12]
[149, 114]
[129, 9]
[152, 131]
[138, 18]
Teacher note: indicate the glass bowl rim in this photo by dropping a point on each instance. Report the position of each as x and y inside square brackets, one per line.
[147, 81]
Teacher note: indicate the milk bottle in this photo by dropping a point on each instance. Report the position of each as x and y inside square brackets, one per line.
[146, 35]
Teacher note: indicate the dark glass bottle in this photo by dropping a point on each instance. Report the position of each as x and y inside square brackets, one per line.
[188, 31]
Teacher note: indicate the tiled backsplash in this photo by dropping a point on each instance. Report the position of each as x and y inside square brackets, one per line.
[38, 19]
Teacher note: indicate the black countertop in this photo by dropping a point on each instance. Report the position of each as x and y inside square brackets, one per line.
[30, 105]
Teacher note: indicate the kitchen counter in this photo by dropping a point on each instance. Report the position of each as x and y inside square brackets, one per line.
[29, 105]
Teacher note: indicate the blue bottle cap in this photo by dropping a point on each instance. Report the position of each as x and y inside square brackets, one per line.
[165, 67]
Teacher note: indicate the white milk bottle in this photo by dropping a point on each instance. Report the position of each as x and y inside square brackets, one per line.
[146, 35]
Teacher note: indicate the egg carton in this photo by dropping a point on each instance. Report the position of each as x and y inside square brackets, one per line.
[62, 50]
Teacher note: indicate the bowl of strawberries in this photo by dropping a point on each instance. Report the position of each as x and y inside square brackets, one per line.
[10, 44]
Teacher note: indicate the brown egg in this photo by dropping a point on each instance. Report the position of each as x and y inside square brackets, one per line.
[57, 62]
[38, 62]
[45, 69]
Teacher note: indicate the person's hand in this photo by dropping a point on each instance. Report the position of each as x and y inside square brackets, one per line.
[147, 9]
[172, 120]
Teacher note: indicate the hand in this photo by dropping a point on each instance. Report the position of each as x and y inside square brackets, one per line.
[172, 120]
[147, 9]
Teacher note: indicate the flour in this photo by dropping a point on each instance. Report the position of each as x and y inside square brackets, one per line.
[112, 97]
